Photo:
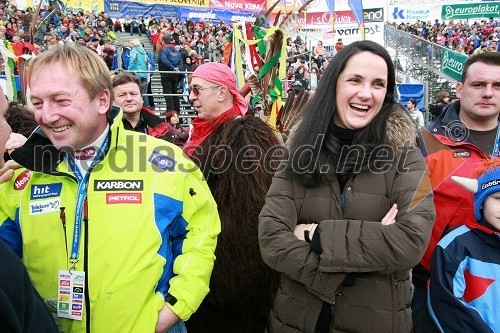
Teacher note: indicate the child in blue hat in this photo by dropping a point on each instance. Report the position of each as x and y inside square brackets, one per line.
[464, 289]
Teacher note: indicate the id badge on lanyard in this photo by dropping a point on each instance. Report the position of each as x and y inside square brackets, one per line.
[71, 283]
[70, 294]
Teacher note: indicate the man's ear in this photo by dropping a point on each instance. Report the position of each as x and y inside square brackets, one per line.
[223, 93]
[458, 89]
[104, 100]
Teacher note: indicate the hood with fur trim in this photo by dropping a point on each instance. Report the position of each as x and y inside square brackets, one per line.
[401, 130]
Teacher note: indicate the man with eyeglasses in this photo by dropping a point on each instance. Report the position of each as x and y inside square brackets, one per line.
[216, 100]
[222, 138]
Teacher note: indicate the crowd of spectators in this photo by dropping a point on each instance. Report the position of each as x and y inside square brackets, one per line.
[203, 41]
[198, 42]
[465, 37]
[304, 67]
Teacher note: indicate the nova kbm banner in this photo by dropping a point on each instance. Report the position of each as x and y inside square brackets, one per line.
[246, 5]
[473, 10]
[452, 64]
[226, 16]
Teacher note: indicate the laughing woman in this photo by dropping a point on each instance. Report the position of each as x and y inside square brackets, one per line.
[351, 211]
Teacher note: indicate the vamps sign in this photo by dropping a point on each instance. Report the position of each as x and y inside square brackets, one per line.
[355, 31]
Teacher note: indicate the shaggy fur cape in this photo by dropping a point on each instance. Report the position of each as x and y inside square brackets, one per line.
[242, 287]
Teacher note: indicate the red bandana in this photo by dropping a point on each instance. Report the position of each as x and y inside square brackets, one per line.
[203, 128]
[84, 154]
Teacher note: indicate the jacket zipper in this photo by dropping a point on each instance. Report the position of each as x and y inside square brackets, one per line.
[62, 216]
[86, 270]
[394, 295]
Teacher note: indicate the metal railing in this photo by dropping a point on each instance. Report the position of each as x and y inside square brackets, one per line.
[424, 62]
[425, 52]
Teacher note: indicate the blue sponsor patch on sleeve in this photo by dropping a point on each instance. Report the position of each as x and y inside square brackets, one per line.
[45, 191]
[162, 161]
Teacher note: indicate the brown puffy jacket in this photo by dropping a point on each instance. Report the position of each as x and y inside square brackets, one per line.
[352, 241]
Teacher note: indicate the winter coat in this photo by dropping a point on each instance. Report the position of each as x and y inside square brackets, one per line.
[448, 151]
[377, 258]
[22, 310]
[464, 280]
[178, 134]
[157, 221]
[169, 59]
[139, 61]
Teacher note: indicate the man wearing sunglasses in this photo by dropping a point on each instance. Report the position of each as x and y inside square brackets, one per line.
[223, 139]
[216, 100]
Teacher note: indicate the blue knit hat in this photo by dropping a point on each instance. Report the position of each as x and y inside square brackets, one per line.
[487, 184]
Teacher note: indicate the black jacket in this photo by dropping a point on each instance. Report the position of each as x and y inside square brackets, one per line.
[21, 308]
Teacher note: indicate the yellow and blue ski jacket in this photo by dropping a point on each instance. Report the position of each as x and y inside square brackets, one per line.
[150, 235]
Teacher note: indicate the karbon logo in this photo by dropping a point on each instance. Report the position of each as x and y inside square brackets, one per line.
[118, 185]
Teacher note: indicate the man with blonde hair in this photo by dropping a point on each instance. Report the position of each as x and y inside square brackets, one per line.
[117, 229]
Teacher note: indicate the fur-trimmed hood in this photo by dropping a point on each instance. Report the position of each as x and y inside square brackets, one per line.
[401, 130]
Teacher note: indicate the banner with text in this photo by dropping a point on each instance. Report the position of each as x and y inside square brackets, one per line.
[188, 3]
[351, 33]
[245, 5]
[216, 15]
[93, 6]
[424, 10]
[473, 10]
[119, 9]
[452, 64]
[426, 2]
[319, 6]
[342, 17]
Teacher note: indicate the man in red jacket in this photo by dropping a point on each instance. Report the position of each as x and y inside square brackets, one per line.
[464, 134]
[128, 95]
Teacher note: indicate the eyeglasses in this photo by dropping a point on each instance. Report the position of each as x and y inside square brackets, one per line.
[196, 90]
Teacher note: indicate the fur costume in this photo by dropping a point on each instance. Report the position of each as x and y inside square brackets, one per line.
[242, 287]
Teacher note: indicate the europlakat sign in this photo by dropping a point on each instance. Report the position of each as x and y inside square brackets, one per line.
[471, 10]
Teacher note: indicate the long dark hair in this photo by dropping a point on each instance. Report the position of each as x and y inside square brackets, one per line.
[315, 131]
